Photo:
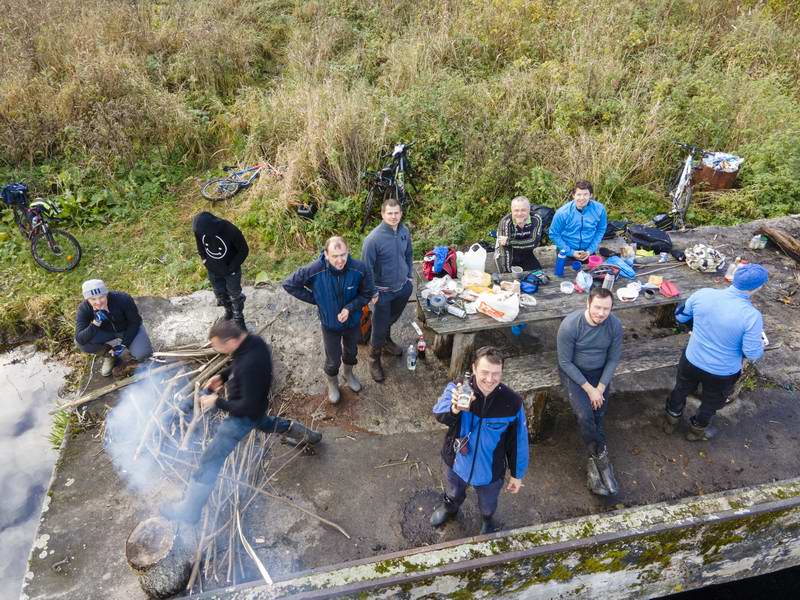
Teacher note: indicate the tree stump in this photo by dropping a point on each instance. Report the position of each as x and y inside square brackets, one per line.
[160, 557]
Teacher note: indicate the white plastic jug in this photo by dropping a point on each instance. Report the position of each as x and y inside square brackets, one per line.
[475, 258]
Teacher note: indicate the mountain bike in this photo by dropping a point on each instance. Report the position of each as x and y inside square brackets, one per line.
[390, 181]
[54, 250]
[681, 191]
[227, 187]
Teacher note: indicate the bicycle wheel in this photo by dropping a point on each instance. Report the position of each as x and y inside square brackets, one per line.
[368, 207]
[219, 189]
[55, 250]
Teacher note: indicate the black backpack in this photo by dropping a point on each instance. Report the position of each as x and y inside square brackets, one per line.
[545, 213]
[650, 238]
[15, 194]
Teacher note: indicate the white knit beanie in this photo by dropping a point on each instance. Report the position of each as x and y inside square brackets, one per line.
[93, 288]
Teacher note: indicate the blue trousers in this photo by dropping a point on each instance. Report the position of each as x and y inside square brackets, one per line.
[230, 432]
[140, 347]
[590, 421]
[386, 311]
[456, 492]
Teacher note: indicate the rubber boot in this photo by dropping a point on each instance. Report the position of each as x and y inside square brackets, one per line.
[391, 348]
[489, 525]
[443, 512]
[375, 366]
[606, 472]
[237, 307]
[700, 434]
[299, 433]
[593, 480]
[350, 378]
[190, 508]
[333, 389]
[670, 422]
[226, 303]
[107, 366]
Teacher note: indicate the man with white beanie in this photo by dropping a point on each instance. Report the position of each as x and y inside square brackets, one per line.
[109, 324]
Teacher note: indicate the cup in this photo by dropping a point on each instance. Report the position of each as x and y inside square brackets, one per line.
[567, 287]
[517, 272]
[595, 261]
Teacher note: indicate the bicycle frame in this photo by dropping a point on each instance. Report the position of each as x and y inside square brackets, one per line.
[254, 171]
[29, 221]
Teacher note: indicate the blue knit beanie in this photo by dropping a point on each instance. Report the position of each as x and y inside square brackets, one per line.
[749, 277]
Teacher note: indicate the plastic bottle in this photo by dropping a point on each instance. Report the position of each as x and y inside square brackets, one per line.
[608, 281]
[732, 268]
[465, 396]
[421, 347]
[561, 261]
[456, 311]
[411, 358]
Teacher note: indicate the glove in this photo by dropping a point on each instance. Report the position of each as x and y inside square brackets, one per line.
[100, 316]
[118, 350]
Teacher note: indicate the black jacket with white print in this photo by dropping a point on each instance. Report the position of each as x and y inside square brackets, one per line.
[219, 243]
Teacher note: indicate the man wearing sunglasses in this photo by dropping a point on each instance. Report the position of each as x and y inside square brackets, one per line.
[481, 440]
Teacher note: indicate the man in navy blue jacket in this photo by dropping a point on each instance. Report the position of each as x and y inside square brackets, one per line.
[340, 286]
[481, 441]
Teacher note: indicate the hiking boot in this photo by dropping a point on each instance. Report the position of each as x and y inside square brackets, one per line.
[670, 423]
[443, 513]
[237, 312]
[489, 525]
[375, 367]
[350, 378]
[606, 472]
[593, 480]
[299, 433]
[228, 311]
[333, 389]
[391, 348]
[190, 508]
[700, 434]
[107, 367]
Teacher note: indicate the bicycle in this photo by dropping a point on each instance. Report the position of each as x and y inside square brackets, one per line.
[389, 181]
[54, 250]
[227, 187]
[681, 192]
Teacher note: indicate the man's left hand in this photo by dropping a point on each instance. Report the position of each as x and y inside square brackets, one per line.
[581, 255]
[208, 402]
[343, 315]
[514, 485]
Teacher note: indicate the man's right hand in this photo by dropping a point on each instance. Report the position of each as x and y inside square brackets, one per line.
[374, 300]
[595, 398]
[215, 383]
[99, 317]
[581, 254]
[502, 240]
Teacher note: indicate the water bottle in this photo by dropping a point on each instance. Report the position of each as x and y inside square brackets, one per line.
[608, 281]
[561, 261]
[465, 396]
[411, 358]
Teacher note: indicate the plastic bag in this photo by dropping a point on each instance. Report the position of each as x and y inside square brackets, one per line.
[583, 281]
[503, 307]
[475, 258]
[472, 277]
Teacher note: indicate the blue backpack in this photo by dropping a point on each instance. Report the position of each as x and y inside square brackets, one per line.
[15, 194]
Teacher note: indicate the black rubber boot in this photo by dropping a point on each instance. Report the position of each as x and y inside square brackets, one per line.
[299, 433]
[190, 508]
[593, 480]
[700, 434]
[375, 366]
[443, 513]
[489, 525]
[391, 348]
[225, 302]
[606, 472]
[670, 422]
[238, 312]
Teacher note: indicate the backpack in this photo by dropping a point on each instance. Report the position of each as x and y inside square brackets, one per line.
[15, 194]
[614, 228]
[448, 268]
[545, 213]
[650, 238]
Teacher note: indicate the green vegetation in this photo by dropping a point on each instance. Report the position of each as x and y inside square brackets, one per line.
[119, 110]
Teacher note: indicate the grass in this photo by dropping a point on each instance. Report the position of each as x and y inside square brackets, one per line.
[119, 110]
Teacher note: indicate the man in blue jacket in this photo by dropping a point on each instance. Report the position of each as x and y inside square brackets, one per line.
[388, 255]
[481, 441]
[340, 286]
[108, 324]
[579, 225]
[726, 329]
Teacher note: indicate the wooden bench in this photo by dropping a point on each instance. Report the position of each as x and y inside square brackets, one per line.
[535, 376]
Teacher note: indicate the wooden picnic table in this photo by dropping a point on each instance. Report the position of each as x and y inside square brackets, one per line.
[456, 336]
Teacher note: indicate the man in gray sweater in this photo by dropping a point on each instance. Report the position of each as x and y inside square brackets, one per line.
[388, 255]
[589, 347]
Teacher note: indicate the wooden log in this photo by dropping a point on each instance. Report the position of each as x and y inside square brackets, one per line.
[786, 242]
[160, 556]
[535, 404]
[442, 346]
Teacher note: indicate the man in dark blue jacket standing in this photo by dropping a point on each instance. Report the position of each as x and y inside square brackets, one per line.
[388, 254]
[482, 440]
[340, 286]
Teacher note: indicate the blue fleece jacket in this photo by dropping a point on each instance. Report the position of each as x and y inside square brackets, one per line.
[332, 290]
[573, 229]
[727, 328]
[388, 255]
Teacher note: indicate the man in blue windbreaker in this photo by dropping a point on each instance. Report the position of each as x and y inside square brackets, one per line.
[481, 441]
[579, 225]
[726, 328]
[340, 286]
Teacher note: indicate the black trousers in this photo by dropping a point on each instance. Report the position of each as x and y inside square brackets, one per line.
[227, 288]
[386, 311]
[340, 347]
[716, 389]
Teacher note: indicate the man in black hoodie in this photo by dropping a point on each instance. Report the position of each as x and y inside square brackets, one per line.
[241, 390]
[222, 248]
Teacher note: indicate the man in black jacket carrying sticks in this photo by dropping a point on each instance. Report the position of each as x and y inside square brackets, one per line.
[222, 248]
[242, 391]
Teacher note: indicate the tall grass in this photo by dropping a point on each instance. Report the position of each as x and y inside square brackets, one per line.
[99, 99]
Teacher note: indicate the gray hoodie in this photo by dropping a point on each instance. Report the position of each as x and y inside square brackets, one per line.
[389, 256]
